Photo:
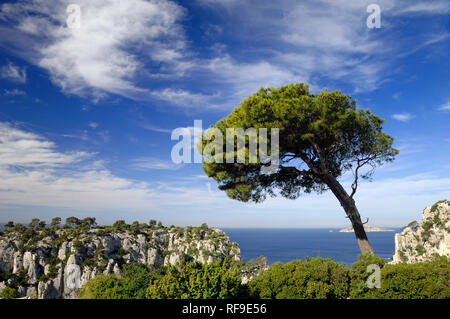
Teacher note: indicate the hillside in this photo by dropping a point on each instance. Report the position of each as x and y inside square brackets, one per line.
[419, 241]
[52, 262]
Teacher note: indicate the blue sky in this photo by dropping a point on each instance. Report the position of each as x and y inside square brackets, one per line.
[86, 113]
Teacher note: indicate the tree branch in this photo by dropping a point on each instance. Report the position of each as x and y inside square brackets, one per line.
[361, 163]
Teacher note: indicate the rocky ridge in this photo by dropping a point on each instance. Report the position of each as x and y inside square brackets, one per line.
[420, 241]
[53, 263]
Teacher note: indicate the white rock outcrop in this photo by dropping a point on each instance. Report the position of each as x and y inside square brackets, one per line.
[55, 263]
[422, 240]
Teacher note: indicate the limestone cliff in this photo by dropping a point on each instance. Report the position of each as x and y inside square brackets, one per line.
[53, 263]
[419, 241]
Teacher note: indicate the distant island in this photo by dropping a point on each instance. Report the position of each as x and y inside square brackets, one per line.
[367, 228]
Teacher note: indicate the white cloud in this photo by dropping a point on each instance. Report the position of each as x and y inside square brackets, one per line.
[445, 107]
[23, 149]
[183, 98]
[34, 173]
[13, 73]
[150, 163]
[93, 125]
[322, 39]
[403, 117]
[100, 55]
[424, 7]
[14, 92]
[36, 176]
[122, 42]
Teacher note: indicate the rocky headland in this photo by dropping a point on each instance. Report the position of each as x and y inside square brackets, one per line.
[420, 241]
[54, 262]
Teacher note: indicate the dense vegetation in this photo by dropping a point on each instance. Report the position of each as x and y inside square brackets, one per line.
[131, 285]
[193, 280]
[312, 278]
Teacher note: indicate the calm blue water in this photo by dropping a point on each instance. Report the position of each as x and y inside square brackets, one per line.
[288, 244]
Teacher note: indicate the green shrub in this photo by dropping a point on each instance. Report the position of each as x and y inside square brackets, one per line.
[105, 287]
[138, 277]
[131, 285]
[359, 274]
[425, 280]
[193, 280]
[4, 276]
[9, 293]
[313, 278]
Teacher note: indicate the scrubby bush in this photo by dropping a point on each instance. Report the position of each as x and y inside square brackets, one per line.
[105, 287]
[138, 277]
[312, 278]
[132, 284]
[359, 274]
[9, 293]
[194, 280]
[424, 280]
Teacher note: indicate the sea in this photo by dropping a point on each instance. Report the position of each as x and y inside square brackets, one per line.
[284, 245]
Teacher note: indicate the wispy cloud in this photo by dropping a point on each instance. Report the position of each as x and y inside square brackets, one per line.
[97, 57]
[34, 172]
[445, 107]
[424, 7]
[150, 163]
[403, 117]
[14, 92]
[320, 42]
[93, 125]
[13, 73]
[183, 98]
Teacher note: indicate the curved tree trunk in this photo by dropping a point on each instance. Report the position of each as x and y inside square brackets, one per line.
[352, 213]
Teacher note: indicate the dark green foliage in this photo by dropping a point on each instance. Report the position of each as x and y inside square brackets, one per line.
[359, 273]
[4, 276]
[193, 280]
[119, 225]
[132, 284]
[19, 278]
[319, 134]
[9, 293]
[425, 280]
[412, 224]
[9, 225]
[72, 222]
[34, 223]
[19, 228]
[435, 205]
[105, 287]
[138, 277]
[428, 280]
[420, 249]
[88, 222]
[313, 278]
[55, 222]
